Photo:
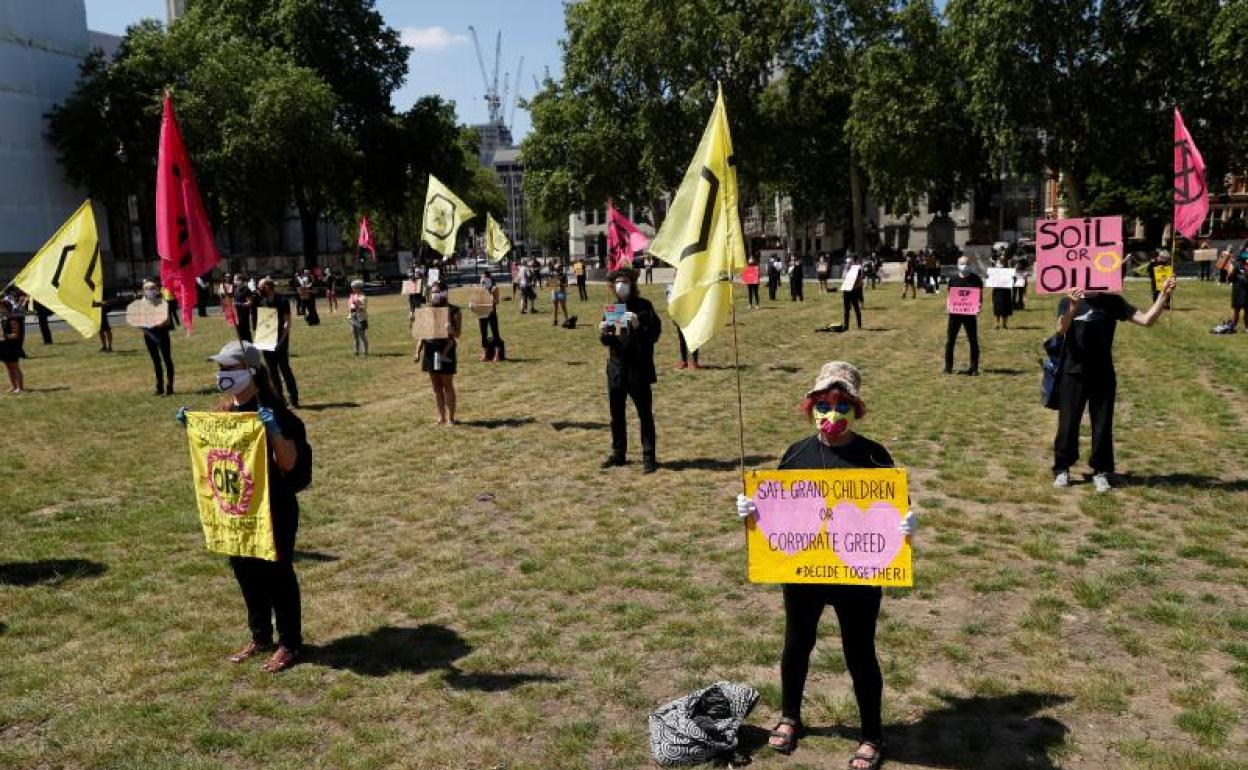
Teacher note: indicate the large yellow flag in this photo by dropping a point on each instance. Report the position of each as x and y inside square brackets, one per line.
[444, 213]
[497, 244]
[66, 275]
[229, 464]
[702, 237]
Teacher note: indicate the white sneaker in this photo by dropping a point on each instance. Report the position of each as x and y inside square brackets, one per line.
[1062, 480]
[1101, 481]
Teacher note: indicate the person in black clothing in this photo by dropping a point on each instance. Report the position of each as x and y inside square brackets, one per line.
[159, 345]
[1159, 259]
[965, 278]
[202, 294]
[1002, 300]
[438, 356]
[852, 299]
[773, 277]
[833, 405]
[796, 274]
[270, 588]
[42, 313]
[1087, 322]
[10, 349]
[244, 302]
[581, 289]
[492, 346]
[630, 368]
[106, 329]
[278, 359]
[1238, 276]
[909, 280]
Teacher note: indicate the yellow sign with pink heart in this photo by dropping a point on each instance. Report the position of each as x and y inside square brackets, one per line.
[829, 526]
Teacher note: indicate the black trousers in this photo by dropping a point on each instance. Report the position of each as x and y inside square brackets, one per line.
[857, 609]
[175, 315]
[852, 299]
[270, 590]
[158, 348]
[773, 285]
[1020, 293]
[753, 294]
[643, 402]
[1096, 392]
[45, 330]
[278, 363]
[795, 291]
[971, 324]
[489, 326]
[580, 288]
[244, 328]
[684, 348]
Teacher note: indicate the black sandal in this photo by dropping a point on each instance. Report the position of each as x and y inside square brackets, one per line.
[874, 761]
[789, 738]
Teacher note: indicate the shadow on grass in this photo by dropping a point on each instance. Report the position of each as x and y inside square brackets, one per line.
[575, 363]
[315, 556]
[965, 734]
[53, 389]
[389, 650]
[722, 367]
[323, 407]
[502, 422]
[714, 464]
[48, 572]
[1005, 372]
[573, 425]
[510, 360]
[786, 368]
[389, 355]
[1192, 480]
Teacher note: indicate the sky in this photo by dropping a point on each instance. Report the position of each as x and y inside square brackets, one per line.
[443, 61]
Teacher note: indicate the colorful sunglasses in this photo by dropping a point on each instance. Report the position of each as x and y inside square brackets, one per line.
[840, 407]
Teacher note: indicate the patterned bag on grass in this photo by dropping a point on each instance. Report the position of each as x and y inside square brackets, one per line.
[700, 726]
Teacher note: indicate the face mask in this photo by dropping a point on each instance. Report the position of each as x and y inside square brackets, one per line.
[623, 290]
[437, 297]
[832, 423]
[151, 294]
[964, 269]
[233, 381]
[487, 282]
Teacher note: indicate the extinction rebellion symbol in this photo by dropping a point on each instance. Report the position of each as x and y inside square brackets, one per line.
[440, 218]
[708, 214]
[229, 481]
[1189, 183]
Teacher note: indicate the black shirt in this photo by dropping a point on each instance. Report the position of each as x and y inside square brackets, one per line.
[860, 452]
[242, 295]
[1090, 341]
[632, 351]
[283, 485]
[970, 280]
[282, 306]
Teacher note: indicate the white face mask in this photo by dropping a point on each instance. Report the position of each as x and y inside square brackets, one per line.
[437, 297]
[623, 290]
[233, 381]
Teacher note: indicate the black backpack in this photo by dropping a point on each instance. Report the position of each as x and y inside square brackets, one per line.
[1051, 371]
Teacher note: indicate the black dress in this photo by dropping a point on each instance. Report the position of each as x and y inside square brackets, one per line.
[10, 349]
[1003, 303]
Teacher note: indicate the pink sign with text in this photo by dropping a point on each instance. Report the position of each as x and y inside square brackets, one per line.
[1081, 253]
[965, 300]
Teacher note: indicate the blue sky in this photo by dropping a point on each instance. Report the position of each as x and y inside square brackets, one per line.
[443, 61]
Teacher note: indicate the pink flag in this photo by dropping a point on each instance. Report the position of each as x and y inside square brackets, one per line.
[1191, 195]
[366, 237]
[183, 234]
[623, 239]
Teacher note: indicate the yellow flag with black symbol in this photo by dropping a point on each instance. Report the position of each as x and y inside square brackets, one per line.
[702, 237]
[67, 274]
[444, 213]
[497, 244]
[230, 468]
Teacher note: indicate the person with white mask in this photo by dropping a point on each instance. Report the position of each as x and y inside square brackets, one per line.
[159, 345]
[966, 278]
[630, 368]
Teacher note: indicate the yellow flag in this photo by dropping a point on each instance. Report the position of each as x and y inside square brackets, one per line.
[230, 464]
[444, 213]
[702, 237]
[67, 276]
[497, 244]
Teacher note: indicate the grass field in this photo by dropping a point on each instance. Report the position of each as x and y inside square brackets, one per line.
[483, 596]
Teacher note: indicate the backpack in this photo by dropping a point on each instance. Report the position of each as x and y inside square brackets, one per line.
[1051, 371]
[700, 726]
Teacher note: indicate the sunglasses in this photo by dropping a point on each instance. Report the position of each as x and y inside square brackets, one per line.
[840, 407]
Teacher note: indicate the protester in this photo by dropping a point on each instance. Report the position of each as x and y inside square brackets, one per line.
[10, 344]
[18, 305]
[559, 296]
[202, 293]
[851, 299]
[437, 356]
[685, 356]
[1159, 259]
[1002, 300]
[909, 280]
[795, 280]
[834, 405]
[774, 266]
[357, 317]
[492, 346]
[649, 261]
[42, 314]
[752, 288]
[270, 588]
[171, 300]
[823, 270]
[1086, 322]
[157, 340]
[1020, 283]
[244, 306]
[966, 278]
[526, 278]
[581, 288]
[417, 298]
[1238, 276]
[307, 292]
[278, 360]
[331, 289]
[630, 368]
[106, 329]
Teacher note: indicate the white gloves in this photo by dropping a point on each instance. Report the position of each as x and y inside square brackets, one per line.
[745, 507]
[630, 318]
[605, 327]
[909, 523]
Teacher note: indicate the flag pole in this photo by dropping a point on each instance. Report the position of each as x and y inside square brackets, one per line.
[736, 366]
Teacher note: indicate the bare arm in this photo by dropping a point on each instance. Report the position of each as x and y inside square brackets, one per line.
[285, 452]
[1064, 320]
[1150, 316]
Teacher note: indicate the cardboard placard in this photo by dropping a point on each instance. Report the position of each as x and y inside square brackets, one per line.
[1081, 253]
[1000, 278]
[829, 526]
[1161, 274]
[146, 315]
[1205, 255]
[964, 300]
[481, 301]
[265, 335]
[430, 323]
[851, 278]
[410, 287]
[578, 268]
[749, 275]
[434, 275]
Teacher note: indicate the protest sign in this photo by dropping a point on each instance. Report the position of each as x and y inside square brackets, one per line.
[229, 466]
[851, 278]
[1161, 274]
[749, 275]
[829, 526]
[434, 275]
[1000, 278]
[410, 287]
[146, 315]
[964, 300]
[614, 314]
[265, 337]
[1079, 253]
[430, 323]
[578, 268]
[481, 301]
[1205, 255]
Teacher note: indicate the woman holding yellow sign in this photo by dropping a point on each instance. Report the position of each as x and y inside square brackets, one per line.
[833, 405]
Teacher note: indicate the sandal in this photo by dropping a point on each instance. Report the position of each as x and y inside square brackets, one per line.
[874, 761]
[788, 739]
[249, 650]
[282, 659]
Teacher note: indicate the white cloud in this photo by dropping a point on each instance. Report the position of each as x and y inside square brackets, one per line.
[430, 38]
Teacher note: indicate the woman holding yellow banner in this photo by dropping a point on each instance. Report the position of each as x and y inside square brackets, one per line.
[833, 405]
[269, 586]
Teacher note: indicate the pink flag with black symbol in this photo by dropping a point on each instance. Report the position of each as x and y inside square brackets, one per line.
[184, 237]
[366, 237]
[1191, 194]
[623, 239]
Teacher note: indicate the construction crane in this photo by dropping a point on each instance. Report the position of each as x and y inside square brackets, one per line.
[515, 98]
[492, 101]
